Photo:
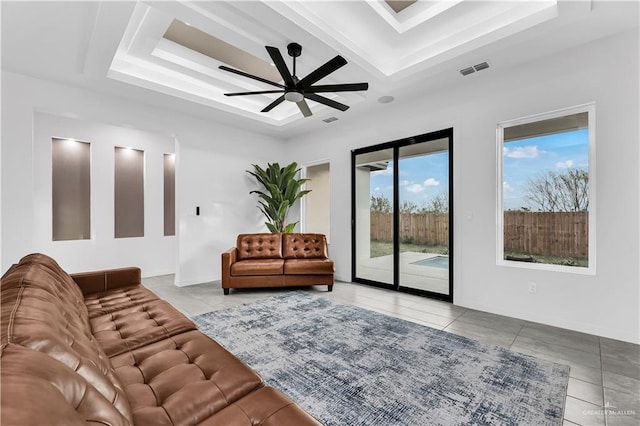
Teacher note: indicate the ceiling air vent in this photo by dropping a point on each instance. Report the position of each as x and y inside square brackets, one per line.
[467, 71]
[471, 70]
[482, 66]
[330, 119]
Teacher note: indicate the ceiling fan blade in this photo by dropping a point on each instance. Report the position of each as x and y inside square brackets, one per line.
[278, 61]
[304, 108]
[273, 104]
[326, 101]
[244, 74]
[254, 93]
[352, 87]
[322, 71]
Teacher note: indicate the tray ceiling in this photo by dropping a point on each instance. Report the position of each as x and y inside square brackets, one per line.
[167, 53]
[176, 47]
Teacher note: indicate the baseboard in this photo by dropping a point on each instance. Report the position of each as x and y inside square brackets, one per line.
[187, 283]
[158, 273]
[595, 329]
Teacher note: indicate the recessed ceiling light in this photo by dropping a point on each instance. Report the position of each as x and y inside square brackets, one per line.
[385, 99]
[330, 119]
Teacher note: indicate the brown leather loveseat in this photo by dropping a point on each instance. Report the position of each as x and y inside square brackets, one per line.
[277, 260]
[100, 348]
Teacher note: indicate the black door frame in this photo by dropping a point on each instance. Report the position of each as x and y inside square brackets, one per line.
[396, 145]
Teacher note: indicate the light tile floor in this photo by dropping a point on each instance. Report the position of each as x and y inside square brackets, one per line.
[604, 383]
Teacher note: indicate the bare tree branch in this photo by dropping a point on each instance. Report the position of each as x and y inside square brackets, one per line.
[566, 191]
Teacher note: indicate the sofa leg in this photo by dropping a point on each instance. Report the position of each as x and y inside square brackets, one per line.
[330, 287]
[226, 291]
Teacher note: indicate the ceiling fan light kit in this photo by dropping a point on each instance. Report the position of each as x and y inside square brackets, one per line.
[293, 96]
[296, 90]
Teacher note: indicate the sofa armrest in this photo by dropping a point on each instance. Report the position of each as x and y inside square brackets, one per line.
[107, 279]
[229, 257]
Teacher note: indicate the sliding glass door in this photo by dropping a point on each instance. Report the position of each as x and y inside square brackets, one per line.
[374, 216]
[401, 215]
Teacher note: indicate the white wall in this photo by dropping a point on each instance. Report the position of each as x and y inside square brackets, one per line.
[605, 71]
[212, 176]
[154, 252]
[210, 161]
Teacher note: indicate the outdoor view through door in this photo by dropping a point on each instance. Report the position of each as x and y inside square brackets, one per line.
[401, 215]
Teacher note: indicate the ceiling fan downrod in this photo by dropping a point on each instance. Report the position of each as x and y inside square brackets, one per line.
[294, 50]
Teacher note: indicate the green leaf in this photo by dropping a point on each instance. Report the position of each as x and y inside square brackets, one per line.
[290, 227]
[271, 228]
[283, 190]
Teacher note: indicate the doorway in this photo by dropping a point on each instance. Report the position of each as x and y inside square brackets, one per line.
[402, 212]
[316, 205]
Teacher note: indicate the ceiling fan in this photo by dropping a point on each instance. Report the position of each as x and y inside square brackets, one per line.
[296, 90]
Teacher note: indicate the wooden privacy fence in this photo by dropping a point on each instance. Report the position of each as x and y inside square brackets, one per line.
[427, 229]
[550, 233]
[546, 233]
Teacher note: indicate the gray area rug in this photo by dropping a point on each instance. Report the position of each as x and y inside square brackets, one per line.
[350, 366]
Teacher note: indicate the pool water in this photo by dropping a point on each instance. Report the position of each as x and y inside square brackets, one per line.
[434, 262]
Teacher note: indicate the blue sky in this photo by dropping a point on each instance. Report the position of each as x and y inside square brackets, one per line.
[529, 158]
[421, 178]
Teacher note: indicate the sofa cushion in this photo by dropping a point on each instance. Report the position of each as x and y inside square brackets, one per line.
[265, 407]
[130, 328]
[40, 270]
[258, 267]
[259, 246]
[113, 300]
[182, 380]
[39, 390]
[304, 246]
[308, 266]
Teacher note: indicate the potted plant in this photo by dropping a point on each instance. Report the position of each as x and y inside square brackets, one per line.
[283, 189]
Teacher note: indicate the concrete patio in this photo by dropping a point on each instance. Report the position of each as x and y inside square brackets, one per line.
[412, 275]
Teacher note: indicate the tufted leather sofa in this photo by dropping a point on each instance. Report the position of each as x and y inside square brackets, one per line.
[99, 348]
[277, 260]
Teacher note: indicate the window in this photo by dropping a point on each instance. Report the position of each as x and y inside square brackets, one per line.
[129, 193]
[71, 189]
[546, 191]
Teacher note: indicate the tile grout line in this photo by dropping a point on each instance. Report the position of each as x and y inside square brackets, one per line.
[516, 336]
[606, 420]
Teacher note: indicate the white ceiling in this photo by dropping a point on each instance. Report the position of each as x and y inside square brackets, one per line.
[118, 47]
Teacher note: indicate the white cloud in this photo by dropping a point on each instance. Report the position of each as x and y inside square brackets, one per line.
[530, 151]
[564, 164]
[416, 187]
[405, 183]
[431, 182]
[377, 189]
[506, 186]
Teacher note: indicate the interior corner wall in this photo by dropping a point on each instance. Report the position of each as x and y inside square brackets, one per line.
[216, 181]
[604, 71]
[211, 159]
